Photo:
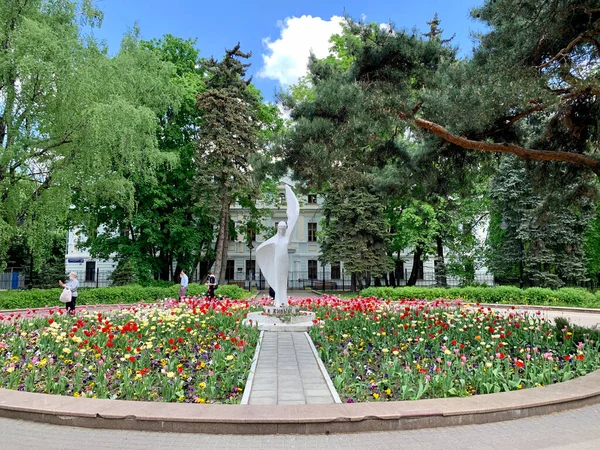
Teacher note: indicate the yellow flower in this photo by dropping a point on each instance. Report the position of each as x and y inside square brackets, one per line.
[10, 369]
[202, 385]
[170, 374]
[447, 352]
[384, 350]
[388, 391]
[229, 357]
[375, 395]
[66, 350]
[340, 370]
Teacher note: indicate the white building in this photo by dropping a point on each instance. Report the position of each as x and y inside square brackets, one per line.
[305, 268]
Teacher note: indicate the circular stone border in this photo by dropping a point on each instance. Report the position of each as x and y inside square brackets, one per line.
[302, 419]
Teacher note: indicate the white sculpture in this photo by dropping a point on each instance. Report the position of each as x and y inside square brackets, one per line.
[272, 255]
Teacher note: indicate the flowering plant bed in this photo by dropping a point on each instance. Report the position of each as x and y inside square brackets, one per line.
[189, 351]
[412, 349]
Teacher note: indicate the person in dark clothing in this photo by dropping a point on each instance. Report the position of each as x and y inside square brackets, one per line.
[211, 282]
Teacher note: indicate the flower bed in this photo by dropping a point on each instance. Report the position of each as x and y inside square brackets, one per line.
[191, 351]
[412, 349]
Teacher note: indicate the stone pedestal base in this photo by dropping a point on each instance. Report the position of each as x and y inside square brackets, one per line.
[290, 319]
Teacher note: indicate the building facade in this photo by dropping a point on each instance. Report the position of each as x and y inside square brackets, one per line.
[306, 271]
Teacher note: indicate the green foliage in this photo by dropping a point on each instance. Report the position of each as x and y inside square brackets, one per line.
[76, 126]
[545, 210]
[228, 140]
[231, 291]
[355, 232]
[578, 333]
[169, 222]
[499, 294]
[592, 246]
[38, 298]
[123, 274]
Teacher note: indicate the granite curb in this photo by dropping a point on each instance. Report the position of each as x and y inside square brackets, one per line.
[250, 380]
[300, 419]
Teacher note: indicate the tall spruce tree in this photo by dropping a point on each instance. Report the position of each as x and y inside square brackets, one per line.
[356, 233]
[227, 139]
[539, 223]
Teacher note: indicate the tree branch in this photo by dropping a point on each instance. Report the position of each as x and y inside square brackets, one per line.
[585, 36]
[589, 162]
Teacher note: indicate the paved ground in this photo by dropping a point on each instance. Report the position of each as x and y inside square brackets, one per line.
[577, 430]
[287, 372]
[578, 318]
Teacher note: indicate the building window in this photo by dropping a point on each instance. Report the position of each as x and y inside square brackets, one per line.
[312, 199]
[229, 270]
[336, 271]
[250, 265]
[90, 271]
[312, 269]
[312, 232]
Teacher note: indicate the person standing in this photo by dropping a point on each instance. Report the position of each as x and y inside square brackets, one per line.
[71, 285]
[211, 282]
[183, 284]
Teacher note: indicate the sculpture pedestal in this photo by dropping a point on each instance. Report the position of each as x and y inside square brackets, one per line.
[283, 319]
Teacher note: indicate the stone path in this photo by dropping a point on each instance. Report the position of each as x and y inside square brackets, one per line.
[287, 372]
[571, 430]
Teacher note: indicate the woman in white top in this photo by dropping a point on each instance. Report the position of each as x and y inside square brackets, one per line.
[72, 285]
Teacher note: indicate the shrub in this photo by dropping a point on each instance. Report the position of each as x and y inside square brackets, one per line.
[39, 298]
[231, 291]
[498, 294]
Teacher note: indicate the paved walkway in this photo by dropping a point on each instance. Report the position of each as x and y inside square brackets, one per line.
[572, 430]
[287, 372]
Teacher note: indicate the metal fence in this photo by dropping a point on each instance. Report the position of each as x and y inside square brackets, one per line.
[301, 280]
[12, 280]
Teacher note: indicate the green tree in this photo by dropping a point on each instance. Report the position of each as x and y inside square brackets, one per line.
[355, 232]
[227, 139]
[592, 247]
[539, 221]
[169, 223]
[75, 125]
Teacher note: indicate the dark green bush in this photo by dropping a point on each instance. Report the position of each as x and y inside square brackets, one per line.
[38, 298]
[231, 291]
[498, 294]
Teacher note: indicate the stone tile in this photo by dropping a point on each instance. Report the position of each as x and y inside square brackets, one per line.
[319, 400]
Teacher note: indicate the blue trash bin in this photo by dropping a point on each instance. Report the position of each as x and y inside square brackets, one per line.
[15, 280]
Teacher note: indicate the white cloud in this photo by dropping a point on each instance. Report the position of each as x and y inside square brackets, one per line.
[288, 56]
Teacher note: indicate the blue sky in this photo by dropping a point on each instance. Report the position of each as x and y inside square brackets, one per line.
[221, 24]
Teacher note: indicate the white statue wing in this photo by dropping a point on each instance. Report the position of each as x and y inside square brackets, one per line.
[293, 210]
[265, 258]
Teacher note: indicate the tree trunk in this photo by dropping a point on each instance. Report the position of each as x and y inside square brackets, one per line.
[414, 273]
[221, 249]
[440, 264]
